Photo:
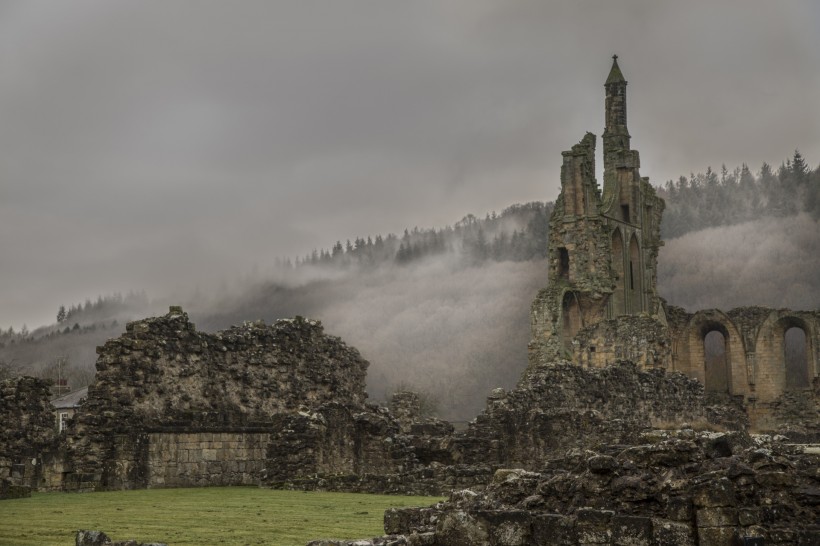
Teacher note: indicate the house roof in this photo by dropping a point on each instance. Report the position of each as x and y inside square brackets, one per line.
[70, 400]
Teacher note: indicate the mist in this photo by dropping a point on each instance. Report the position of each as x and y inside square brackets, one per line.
[160, 145]
[772, 262]
[446, 325]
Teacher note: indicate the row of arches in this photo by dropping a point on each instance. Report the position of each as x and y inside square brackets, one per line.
[778, 357]
[796, 362]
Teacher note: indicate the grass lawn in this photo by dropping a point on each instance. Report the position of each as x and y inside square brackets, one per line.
[202, 516]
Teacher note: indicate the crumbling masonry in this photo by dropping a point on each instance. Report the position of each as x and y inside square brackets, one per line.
[602, 303]
[601, 427]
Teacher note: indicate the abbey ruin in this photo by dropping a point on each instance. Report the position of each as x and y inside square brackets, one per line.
[602, 303]
[618, 432]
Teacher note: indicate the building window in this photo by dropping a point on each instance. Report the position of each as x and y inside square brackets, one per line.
[62, 421]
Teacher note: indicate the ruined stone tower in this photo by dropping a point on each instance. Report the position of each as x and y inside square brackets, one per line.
[632, 209]
[603, 246]
[602, 305]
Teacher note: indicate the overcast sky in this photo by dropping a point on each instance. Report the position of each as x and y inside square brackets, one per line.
[158, 145]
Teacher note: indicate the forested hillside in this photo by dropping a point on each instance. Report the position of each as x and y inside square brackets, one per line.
[713, 199]
[446, 310]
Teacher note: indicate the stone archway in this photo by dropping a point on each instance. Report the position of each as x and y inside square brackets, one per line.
[786, 353]
[715, 359]
[795, 358]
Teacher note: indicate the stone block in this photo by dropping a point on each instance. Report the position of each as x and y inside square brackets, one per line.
[782, 536]
[809, 537]
[671, 533]
[91, 538]
[631, 531]
[716, 517]
[716, 493]
[775, 479]
[553, 529]
[593, 526]
[717, 536]
[507, 527]
[421, 539]
[679, 509]
[458, 528]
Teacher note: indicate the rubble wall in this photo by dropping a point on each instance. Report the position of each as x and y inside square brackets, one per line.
[563, 405]
[163, 376]
[335, 442]
[27, 428]
[676, 488]
[642, 339]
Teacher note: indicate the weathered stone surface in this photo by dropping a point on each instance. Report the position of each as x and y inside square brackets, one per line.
[563, 405]
[163, 381]
[649, 494]
[459, 528]
[602, 305]
[98, 538]
[717, 536]
[669, 533]
[27, 429]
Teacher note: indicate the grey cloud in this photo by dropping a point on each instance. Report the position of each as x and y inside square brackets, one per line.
[143, 143]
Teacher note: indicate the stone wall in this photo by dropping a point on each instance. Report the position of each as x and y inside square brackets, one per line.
[27, 429]
[334, 440]
[677, 488]
[601, 304]
[641, 339]
[163, 381]
[556, 407]
[206, 458]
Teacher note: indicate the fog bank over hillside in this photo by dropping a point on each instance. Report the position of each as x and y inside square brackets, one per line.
[444, 320]
[451, 331]
[772, 262]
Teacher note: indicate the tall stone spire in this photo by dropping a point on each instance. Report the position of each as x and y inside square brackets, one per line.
[616, 136]
[615, 101]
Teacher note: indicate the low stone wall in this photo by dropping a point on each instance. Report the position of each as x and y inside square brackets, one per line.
[201, 459]
[674, 489]
[427, 481]
[10, 491]
[559, 406]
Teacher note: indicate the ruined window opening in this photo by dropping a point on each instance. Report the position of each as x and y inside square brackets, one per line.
[625, 212]
[716, 362]
[796, 358]
[635, 277]
[592, 349]
[618, 296]
[563, 263]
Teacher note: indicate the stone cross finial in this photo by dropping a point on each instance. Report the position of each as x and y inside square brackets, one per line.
[615, 57]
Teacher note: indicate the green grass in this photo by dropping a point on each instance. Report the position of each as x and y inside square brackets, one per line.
[203, 516]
